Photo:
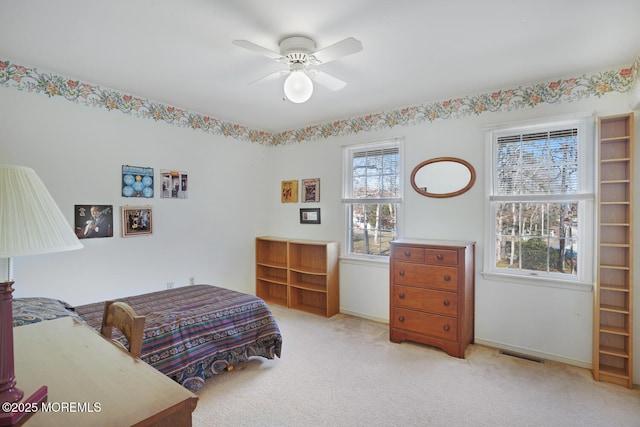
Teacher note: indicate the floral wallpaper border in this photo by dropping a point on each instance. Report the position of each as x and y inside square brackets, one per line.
[30, 79]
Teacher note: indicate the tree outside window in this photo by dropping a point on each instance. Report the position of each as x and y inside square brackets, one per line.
[541, 201]
[372, 197]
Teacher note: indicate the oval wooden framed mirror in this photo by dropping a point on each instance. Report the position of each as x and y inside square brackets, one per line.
[443, 177]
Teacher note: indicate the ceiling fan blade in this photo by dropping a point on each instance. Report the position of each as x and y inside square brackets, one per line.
[271, 76]
[257, 49]
[326, 80]
[348, 46]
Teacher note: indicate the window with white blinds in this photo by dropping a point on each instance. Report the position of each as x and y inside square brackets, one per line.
[375, 175]
[541, 200]
[372, 195]
[537, 163]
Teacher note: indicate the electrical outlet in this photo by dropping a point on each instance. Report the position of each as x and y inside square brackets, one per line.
[192, 280]
[169, 285]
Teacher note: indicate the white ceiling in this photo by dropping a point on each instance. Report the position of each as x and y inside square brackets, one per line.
[179, 52]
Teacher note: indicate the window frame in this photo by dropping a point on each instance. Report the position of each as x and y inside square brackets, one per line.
[348, 152]
[585, 196]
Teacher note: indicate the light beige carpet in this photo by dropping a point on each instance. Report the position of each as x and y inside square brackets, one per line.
[343, 371]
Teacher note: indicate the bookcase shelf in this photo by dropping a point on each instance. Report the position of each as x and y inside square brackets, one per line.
[613, 312]
[299, 274]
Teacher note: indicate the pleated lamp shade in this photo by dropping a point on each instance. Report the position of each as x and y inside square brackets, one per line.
[31, 222]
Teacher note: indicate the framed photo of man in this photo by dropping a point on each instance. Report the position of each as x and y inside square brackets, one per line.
[93, 221]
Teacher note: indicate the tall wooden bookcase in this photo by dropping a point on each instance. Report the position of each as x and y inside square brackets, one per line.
[613, 326]
[299, 274]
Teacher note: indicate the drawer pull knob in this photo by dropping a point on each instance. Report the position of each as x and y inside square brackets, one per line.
[407, 253]
[446, 328]
[401, 319]
[401, 272]
[401, 296]
[440, 257]
[447, 277]
[446, 303]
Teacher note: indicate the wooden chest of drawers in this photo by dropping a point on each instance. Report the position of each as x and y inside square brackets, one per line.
[432, 293]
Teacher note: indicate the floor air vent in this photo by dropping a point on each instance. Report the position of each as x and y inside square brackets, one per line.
[522, 356]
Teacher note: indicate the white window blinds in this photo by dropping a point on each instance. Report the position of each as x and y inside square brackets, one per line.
[537, 163]
[375, 174]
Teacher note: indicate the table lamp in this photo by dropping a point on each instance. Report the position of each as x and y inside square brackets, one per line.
[30, 224]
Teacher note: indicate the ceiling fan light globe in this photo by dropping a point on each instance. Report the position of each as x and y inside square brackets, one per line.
[298, 87]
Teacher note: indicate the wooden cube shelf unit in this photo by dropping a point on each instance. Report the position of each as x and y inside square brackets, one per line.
[613, 332]
[272, 274]
[299, 274]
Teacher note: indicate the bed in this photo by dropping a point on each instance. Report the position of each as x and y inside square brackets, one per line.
[191, 333]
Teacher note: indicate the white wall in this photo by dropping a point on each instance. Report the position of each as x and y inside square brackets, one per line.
[234, 196]
[548, 322]
[79, 152]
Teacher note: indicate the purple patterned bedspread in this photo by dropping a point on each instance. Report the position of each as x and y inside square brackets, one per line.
[30, 310]
[193, 332]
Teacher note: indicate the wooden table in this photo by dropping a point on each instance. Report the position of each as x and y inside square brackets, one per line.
[93, 382]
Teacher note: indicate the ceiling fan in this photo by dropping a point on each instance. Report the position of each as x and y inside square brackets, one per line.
[299, 54]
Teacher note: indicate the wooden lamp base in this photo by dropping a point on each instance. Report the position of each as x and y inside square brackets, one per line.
[14, 409]
[19, 412]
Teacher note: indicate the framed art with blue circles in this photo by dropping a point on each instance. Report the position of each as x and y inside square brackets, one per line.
[137, 181]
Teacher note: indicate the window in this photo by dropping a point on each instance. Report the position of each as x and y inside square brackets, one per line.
[372, 197]
[541, 201]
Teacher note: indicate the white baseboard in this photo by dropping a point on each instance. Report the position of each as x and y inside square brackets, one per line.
[364, 316]
[540, 355]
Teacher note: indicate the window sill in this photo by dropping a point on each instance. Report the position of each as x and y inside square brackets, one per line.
[371, 260]
[539, 281]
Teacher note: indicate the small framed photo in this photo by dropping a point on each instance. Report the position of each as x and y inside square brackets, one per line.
[174, 184]
[93, 221]
[137, 221]
[310, 216]
[310, 190]
[289, 191]
[137, 181]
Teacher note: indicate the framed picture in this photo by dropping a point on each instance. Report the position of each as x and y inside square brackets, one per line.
[174, 184]
[93, 221]
[137, 181]
[310, 216]
[310, 190]
[136, 221]
[289, 191]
